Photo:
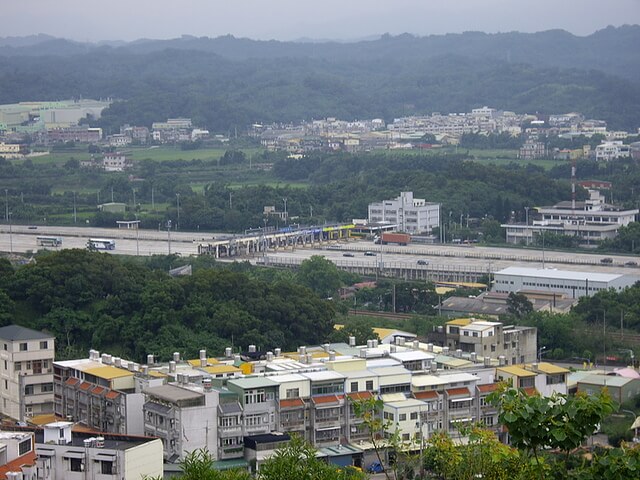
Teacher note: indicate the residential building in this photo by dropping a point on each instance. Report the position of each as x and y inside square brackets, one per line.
[11, 150]
[119, 140]
[532, 150]
[184, 416]
[66, 455]
[621, 389]
[493, 304]
[411, 215]
[104, 393]
[26, 372]
[492, 339]
[17, 455]
[78, 134]
[573, 284]
[607, 151]
[115, 162]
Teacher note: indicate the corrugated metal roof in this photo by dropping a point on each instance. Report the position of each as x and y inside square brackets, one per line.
[517, 371]
[560, 274]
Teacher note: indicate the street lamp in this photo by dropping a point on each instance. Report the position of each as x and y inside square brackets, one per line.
[75, 218]
[137, 235]
[169, 235]
[541, 351]
[285, 208]
[6, 204]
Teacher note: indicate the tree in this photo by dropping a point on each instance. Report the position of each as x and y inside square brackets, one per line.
[320, 275]
[560, 421]
[298, 461]
[519, 305]
[199, 465]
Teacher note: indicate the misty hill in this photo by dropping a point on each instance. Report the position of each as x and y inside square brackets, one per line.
[227, 82]
[612, 50]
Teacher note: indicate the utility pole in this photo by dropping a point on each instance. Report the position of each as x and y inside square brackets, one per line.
[75, 218]
[10, 235]
[137, 236]
[178, 201]
[153, 203]
[285, 208]
[6, 204]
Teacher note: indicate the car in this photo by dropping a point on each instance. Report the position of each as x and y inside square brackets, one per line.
[347, 254]
[606, 260]
[369, 253]
[375, 467]
[32, 227]
[423, 262]
[631, 264]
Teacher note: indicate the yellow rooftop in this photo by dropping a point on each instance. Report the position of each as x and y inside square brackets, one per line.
[549, 368]
[108, 372]
[461, 322]
[517, 371]
[222, 369]
[196, 362]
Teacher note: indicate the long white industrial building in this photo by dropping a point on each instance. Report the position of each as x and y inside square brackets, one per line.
[570, 283]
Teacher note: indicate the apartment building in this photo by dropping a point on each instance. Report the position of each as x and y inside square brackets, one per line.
[26, 372]
[102, 392]
[607, 151]
[488, 338]
[411, 215]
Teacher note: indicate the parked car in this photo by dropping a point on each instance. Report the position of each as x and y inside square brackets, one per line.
[32, 227]
[423, 262]
[347, 254]
[631, 264]
[606, 260]
[375, 467]
[369, 253]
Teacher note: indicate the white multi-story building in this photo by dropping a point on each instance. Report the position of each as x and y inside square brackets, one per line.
[610, 150]
[26, 372]
[591, 221]
[411, 215]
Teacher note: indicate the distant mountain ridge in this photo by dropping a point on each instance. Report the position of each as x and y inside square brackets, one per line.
[227, 83]
[613, 50]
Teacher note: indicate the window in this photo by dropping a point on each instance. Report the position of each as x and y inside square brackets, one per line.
[6, 385]
[6, 347]
[402, 417]
[23, 347]
[354, 386]
[414, 415]
[44, 345]
[46, 387]
[6, 366]
[253, 420]
[405, 437]
[293, 393]
[37, 366]
[24, 447]
[106, 467]
[75, 465]
[17, 366]
[254, 396]
[228, 421]
[369, 385]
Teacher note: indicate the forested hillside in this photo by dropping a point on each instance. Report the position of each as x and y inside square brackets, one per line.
[228, 83]
[90, 300]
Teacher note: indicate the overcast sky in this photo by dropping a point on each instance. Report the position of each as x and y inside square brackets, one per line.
[293, 19]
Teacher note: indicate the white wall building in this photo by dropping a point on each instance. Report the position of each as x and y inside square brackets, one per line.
[591, 220]
[412, 215]
[26, 366]
[63, 455]
[571, 283]
[611, 150]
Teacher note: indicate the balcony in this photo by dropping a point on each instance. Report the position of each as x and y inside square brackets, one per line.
[231, 431]
[231, 451]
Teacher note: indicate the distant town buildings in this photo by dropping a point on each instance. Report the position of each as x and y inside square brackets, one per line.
[409, 214]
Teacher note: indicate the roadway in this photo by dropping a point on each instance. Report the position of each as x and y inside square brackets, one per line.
[457, 257]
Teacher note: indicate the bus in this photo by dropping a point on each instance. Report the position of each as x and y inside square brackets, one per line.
[49, 241]
[101, 244]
